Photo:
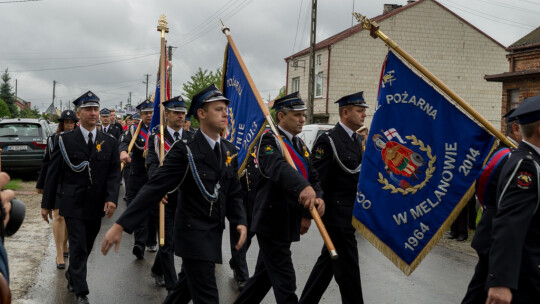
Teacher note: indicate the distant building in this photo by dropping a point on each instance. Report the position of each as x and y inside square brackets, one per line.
[523, 79]
[22, 104]
[450, 47]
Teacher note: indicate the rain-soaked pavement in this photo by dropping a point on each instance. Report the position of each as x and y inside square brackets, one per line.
[119, 278]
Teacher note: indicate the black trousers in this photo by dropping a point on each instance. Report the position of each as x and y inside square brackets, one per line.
[146, 233]
[164, 261]
[274, 270]
[238, 257]
[476, 292]
[345, 270]
[81, 237]
[197, 282]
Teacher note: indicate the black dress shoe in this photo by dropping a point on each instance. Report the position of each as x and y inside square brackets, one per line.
[152, 248]
[138, 251]
[461, 238]
[159, 279]
[82, 300]
[60, 266]
[70, 282]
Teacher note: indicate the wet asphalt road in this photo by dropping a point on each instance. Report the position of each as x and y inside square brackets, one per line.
[119, 278]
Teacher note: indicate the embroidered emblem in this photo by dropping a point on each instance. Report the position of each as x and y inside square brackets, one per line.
[268, 149]
[98, 145]
[319, 152]
[524, 180]
[402, 162]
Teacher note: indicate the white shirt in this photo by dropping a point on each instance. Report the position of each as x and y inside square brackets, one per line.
[171, 131]
[105, 128]
[85, 133]
[210, 141]
[512, 140]
[347, 129]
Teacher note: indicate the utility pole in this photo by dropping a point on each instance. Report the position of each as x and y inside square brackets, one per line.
[15, 88]
[311, 81]
[170, 67]
[61, 105]
[121, 105]
[53, 91]
[129, 100]
[145, 82]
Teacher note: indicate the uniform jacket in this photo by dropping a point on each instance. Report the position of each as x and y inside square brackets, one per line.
[514, 258]
[339, 187]
[46, 159]
[137, 175]
[482, 237]
[79, 197]
[248, 179]
[198, 223]
[152, 157]
[114, 130]
[277, 212]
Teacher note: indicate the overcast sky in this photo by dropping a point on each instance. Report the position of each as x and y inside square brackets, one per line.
[107, 46]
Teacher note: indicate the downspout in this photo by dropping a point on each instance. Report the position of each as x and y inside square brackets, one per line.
[328, 79]
[287, 78]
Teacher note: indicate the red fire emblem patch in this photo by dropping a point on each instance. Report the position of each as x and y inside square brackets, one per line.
[524, 179]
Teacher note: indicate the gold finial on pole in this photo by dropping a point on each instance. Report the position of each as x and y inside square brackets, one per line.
[162, 25]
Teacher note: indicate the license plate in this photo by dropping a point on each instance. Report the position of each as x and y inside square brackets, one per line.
[17, 148]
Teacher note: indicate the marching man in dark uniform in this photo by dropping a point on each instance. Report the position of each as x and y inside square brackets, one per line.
[134, 119]
[84, 176]
[238, 263]
[204, 169]
[514, 256]
[336, 156]
[106, 126]
[486, 192]
[146, 235]
[282, 194]
[163, 269]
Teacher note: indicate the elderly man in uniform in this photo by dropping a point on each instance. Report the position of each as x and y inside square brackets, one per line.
[282, 194]
[84, 176]
[514, 256]
[336, 156]
[204, 169]
[486, 191]
[163, 269]
[107, 127]
[146, 235]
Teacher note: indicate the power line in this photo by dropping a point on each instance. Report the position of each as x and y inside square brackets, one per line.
[502, 4]
[297, 23]
[86, 65]
[17, 1]
[488, 16]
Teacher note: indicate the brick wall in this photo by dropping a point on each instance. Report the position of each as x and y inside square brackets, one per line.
[451, 49]
[526, 60]
[528, 87]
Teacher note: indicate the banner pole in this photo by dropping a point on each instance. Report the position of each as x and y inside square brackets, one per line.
[375, 32]
[162, 27]
[132, 142]
[322, 229]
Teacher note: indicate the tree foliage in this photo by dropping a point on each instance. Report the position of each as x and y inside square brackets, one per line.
[4, 110]
[200, 80]
[6, 95]
[30, 113]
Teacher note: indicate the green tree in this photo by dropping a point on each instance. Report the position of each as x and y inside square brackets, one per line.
[6, 95]
[200, 80]
[4, 110]
[30, 113]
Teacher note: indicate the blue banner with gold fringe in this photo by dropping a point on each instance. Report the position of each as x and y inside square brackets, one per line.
[245, 122]
[423, 155]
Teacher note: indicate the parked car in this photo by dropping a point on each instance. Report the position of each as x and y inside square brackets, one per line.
[23, 142]
[310, 133]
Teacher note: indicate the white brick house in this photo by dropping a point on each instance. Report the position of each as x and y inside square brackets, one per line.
[447, 45]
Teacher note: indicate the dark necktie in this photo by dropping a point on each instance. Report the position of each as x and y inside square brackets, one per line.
[296, 143]
[356, 139]
[218, 153]
[176, 136]
[90, 142]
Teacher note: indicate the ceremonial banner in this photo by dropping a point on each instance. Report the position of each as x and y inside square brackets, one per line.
[156, 115]
[246, 121]
[422, 156]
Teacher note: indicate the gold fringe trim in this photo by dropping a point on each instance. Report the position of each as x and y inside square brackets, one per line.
[407, 269]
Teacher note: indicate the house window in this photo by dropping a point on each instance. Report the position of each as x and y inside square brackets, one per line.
[295, 84]
[318, 84]
[319, 59]
[513, 98]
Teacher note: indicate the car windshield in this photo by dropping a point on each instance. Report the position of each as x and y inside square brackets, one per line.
[20, 130]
